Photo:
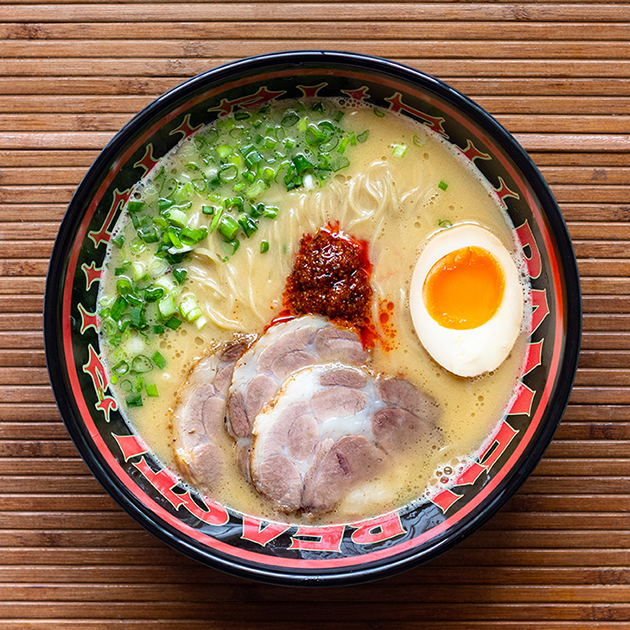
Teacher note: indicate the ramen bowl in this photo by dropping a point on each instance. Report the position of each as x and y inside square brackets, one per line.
[282, 552]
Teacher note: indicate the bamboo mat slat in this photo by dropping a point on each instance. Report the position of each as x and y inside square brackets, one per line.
[554, 73]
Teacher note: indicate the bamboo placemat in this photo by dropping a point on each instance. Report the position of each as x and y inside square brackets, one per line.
[555, 74]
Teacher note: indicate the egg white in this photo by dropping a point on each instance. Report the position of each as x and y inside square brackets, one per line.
[476, 350]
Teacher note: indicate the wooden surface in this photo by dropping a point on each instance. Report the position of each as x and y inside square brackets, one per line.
[554, 73]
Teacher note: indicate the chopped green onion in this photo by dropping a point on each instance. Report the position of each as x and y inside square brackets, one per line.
[379, 113]
[230, 247]
[302, 164]
[252, 158]
[118, 307]
[173, 235]
[228, 173]
[257, 189]
[124, 266]
[152, 390]
[315, 135]
[257, 210]
[139, 270]
[158, 329]
[158, 267]
[224, 151]
[173, 323]
[125, 320]
[215, 220]
[122, 367]
[124, 286]
[168, 285]
[166, 307]
[149, 234]
[289, 119]
[442, 185]
[138, 246]
[161, 222]
[134, 300]
[228, 227]
[159, 360]
[177, 218]
[135, 206]
[118, 240]
[179, 274]
[134, 400]
[248, 224]
[164, 204]
[138, 319]
[418, 141]
[362, 137]
[126, 385]
[208, 209]
[141, 364]
[399, 150]
[233, 202]
[342, 163]
[264, 247]
[189, 309]
[108, 327]
[153, 294]
[444, 223]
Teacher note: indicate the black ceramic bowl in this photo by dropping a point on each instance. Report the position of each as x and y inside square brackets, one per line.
[212, 533]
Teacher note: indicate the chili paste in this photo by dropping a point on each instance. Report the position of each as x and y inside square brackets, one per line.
[331, 277]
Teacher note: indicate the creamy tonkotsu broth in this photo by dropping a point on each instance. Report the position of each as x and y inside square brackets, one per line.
[397, 185]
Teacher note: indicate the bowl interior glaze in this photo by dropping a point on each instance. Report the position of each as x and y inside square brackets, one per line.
[275, 552]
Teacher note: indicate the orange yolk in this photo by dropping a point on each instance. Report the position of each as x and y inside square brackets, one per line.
[464, 289]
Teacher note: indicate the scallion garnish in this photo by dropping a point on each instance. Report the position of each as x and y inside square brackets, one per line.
[180, 275]
[228, 227]
[159, 360]
[134, 400]
[135, 206]
[118, 307]
[174, 323]
[141, 364]
[122, 367]
[152, 390]
[248, 224]
[189, 309]
[166, 307]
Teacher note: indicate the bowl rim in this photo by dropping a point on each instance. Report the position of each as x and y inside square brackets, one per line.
[453, 535]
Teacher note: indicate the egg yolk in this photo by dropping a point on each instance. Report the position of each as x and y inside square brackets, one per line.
[464, 289]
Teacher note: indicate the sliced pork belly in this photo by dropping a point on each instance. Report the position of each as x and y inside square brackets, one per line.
[330, 428]
[281, 351]
[198, 419]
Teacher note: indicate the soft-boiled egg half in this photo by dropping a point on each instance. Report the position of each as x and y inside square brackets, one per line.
[466, 300]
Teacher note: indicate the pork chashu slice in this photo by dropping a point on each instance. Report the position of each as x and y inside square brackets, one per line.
[331, 428]
[283, 350]
[199, 418]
